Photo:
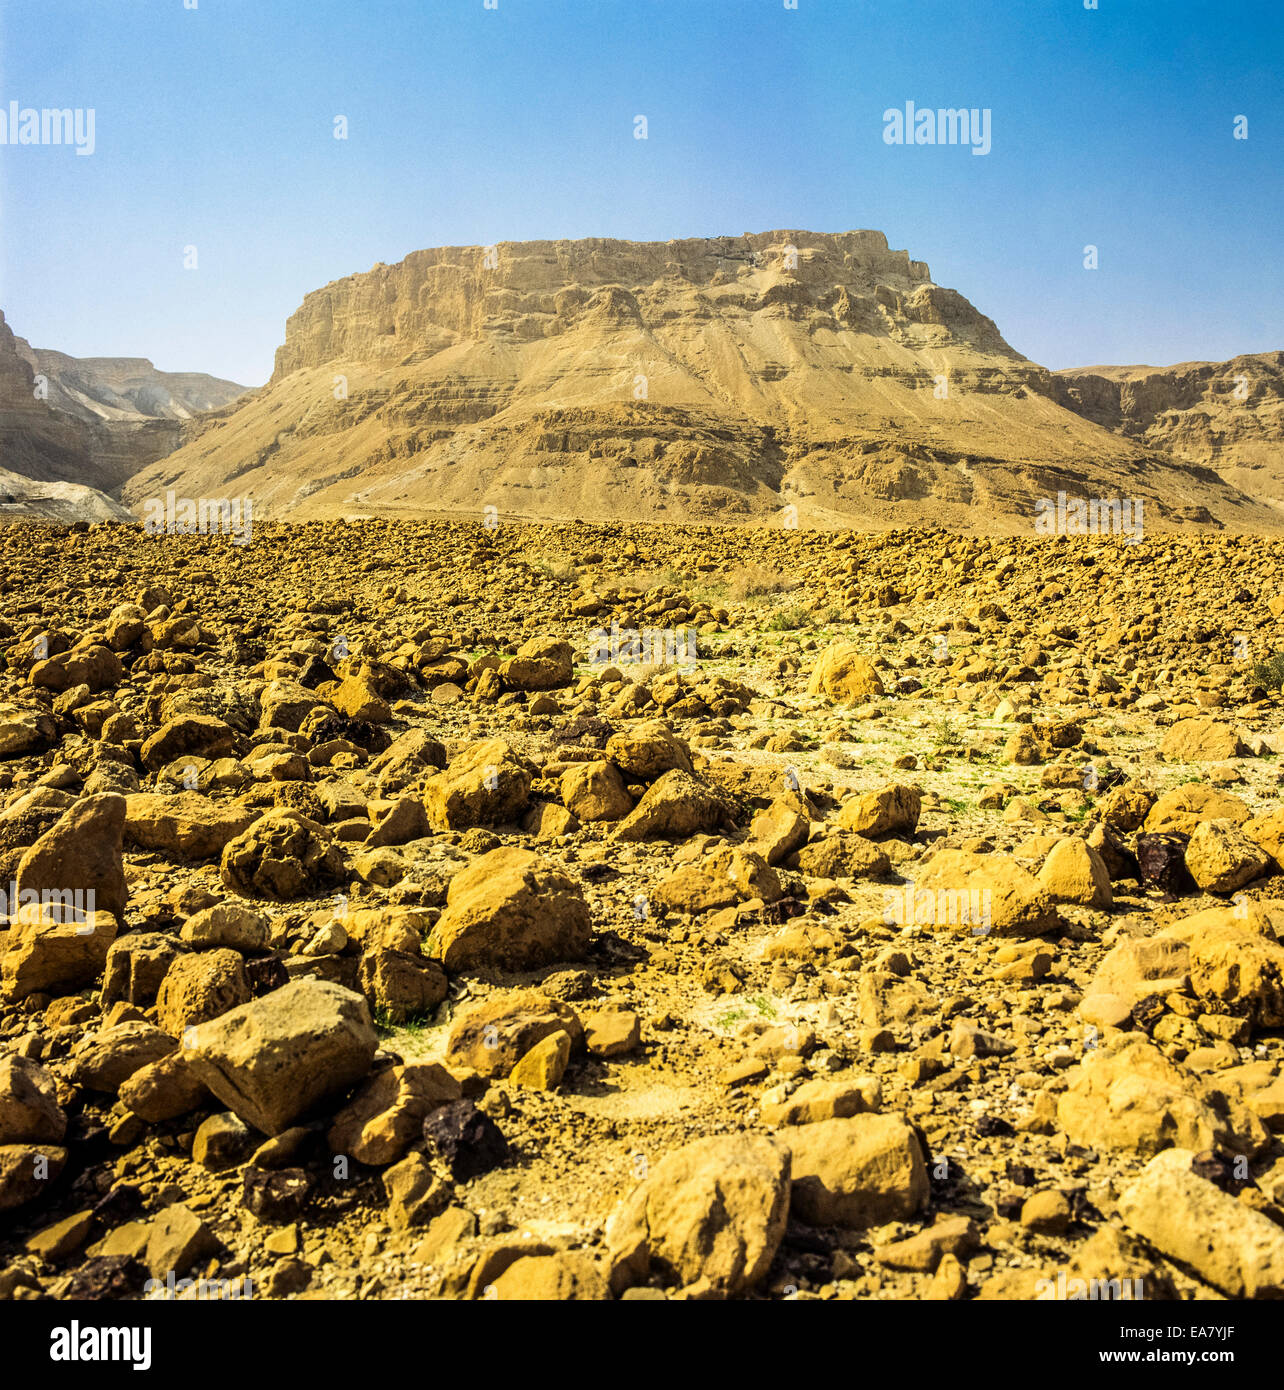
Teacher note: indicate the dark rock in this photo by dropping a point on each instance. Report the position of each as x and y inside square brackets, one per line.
[121, 1204]
[276, 1196]
[1162, 861]
[466, 1141]
[266, 974]
[106, 1277]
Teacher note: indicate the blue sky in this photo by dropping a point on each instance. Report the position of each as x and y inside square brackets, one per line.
[214, 128]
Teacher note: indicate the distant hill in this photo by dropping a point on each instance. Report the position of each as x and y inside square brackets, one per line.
[72, 430]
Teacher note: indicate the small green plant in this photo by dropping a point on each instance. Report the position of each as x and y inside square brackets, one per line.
[413, 1025]
[946, 735]
[732, 1016]
[764, 1006]
[1269, 672]
[786, 620]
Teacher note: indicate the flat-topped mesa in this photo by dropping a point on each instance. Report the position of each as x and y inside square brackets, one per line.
[533, 289]
[790, 376]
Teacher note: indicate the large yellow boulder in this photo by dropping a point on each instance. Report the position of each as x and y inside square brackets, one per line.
[845, 674]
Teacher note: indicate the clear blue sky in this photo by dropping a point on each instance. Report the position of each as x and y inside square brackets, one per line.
[214, 127]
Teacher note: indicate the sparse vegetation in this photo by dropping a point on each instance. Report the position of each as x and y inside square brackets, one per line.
[786, 620]
[1269, 672]
[753, 581]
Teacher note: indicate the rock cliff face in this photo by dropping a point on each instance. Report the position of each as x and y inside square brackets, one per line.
[783, 376]
[72, 430]
[1229, 415]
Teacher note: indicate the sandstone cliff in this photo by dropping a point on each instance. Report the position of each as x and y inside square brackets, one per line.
[1229, 415]
[91, 424]
[47, 462]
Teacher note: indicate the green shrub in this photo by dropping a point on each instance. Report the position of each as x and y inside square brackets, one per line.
[1269, 673]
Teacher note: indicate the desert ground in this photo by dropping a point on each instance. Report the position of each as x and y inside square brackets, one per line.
[623, 911]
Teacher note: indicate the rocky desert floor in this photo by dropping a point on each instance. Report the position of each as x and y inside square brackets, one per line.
[893, 917]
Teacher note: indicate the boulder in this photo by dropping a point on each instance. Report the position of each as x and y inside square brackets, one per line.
[29, 1109]
[1184, 1216]
[778, 831]
[200, 986]
[45, 954]
[164, 1089]
[564, 1277]
[1074, 872]
[487, 784]
[283, 856]
[1222, 858]
[731, 874]
[401, 985]
[842, 854]
[1235, 962]
[235, 926]
[177, 1239]
[386, 1116]
[544, 1065]
[415, 1193]
[271, 1060]
[676, 806]
[492, 1035]
[595, 791]
[406, 821]
[81, 854]
[1135, 969]
[411, 756]
[865, 1170]
[1180, 810]
[513, 909]
[710, 1216]
[819, 1100]
[1012, 902]
[1201, 740]
[135, 966]
[357, 699]
[188, 736]
[611, 1032]
[222, 1141]
[285, 704]
[845, 675]
[1127, 1095]
[647, 751]
[95, 666]
[24, 731]
[542, 663]
[187, 824]
[891, 810]
[27, 1171]
[106, 1059]
[463, 1140]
